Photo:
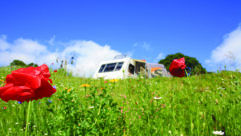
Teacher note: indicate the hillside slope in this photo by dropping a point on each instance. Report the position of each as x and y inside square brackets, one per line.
[196, 105]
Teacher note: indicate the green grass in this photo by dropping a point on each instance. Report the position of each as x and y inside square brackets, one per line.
[196, 105]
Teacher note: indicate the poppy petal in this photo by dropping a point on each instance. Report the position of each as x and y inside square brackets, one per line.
[9, 78]
[50, 80]
[44, 68]
[19, 93]
[3, 89]
[22, 79]
[46, 90]
[26, 84]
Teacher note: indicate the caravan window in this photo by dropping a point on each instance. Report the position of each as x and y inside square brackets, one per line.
[102, 68]
[119, 65]
[110, 67]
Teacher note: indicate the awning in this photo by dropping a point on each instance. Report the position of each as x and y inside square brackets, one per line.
[141, 61]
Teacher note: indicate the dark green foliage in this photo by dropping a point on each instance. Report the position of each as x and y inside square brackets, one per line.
[32, 65]
[18, 63]
[192, 64]
[22, 64]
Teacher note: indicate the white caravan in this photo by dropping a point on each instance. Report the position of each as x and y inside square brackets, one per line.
[129, 68]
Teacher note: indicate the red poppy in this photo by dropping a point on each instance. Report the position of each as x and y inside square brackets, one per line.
[55, 70]
[26, 84]
[177, 67]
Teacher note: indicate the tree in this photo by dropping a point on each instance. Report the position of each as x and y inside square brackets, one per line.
[18, 63]
[192, 65]
[32, 65]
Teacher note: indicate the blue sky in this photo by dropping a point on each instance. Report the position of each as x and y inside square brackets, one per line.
[141, 29]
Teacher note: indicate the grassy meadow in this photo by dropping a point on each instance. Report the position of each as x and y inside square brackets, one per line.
[196, 105]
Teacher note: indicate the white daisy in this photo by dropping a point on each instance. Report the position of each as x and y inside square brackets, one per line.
[91, 107]
[157, 98]
[218, 133]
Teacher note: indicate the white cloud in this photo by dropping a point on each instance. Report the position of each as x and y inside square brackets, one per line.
[146, 46]
[3, 43]
[160, 56]
[27, 46]
[88, 54]
[22, 49]
[228, 53]
[52, 40]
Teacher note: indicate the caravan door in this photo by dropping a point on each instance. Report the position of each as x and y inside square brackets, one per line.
[136, 68]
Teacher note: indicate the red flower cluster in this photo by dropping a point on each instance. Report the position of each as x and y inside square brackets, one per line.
[177, 67]
[26, 84]
[55, 70]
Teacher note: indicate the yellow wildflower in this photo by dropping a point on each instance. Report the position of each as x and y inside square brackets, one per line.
[114, 80]
[85, 85]
[69, 90]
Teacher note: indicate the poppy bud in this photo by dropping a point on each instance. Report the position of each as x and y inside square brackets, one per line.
[177, 67]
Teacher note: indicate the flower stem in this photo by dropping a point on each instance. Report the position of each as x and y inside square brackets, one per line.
[187, 73]
[26, 128]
